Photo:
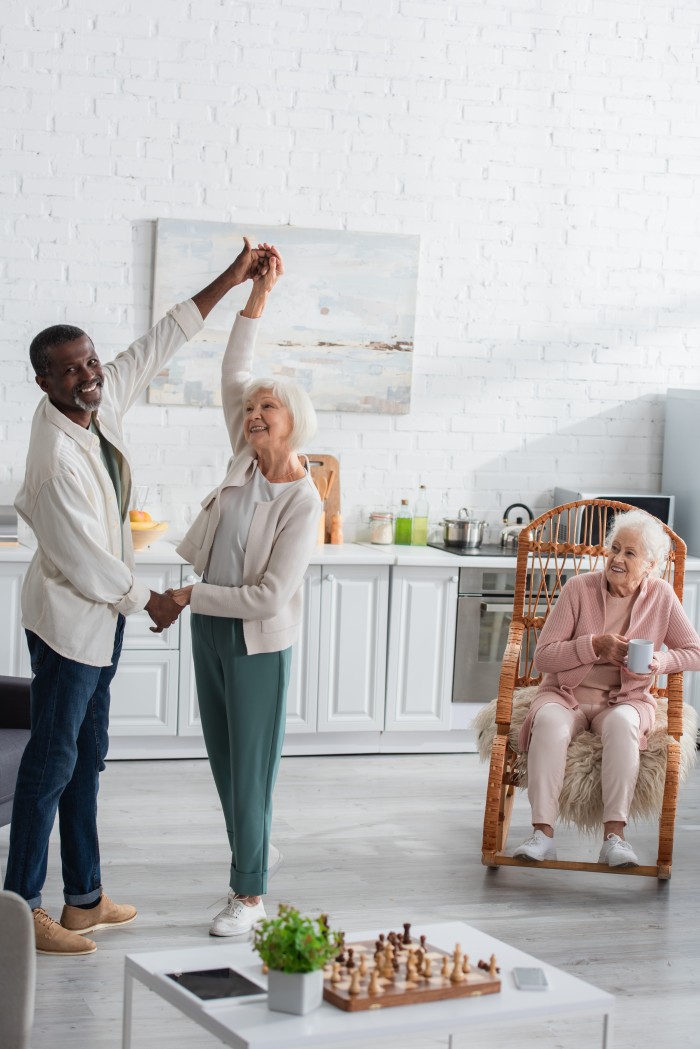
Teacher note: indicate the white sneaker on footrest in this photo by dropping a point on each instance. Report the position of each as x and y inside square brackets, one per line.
[617, 852]
[237, 918]
[537, 847]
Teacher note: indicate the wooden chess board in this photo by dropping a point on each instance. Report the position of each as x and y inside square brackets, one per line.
[399, 990]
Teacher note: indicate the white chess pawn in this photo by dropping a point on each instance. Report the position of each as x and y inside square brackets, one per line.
[457, 976]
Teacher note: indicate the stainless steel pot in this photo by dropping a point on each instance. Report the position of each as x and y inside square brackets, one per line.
[462, 531]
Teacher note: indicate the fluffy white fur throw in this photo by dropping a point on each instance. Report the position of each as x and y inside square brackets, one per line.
[581, 801]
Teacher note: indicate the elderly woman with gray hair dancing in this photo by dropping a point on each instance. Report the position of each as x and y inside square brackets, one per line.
[252, 543]
[586, 684]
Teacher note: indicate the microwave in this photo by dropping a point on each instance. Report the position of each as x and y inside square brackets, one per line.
[657, 504]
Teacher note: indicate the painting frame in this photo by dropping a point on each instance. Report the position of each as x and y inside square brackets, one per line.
[340, 322]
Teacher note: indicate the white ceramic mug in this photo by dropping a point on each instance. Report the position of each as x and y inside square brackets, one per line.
[639, 656]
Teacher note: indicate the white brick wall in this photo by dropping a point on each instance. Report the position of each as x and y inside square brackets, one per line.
[548, 154]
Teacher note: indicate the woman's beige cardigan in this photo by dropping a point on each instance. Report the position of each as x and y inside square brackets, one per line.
[283, 532]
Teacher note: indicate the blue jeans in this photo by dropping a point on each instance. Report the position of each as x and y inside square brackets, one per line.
[60, 771]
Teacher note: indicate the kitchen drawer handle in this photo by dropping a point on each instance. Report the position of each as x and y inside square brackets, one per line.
[330, 577]
[454, 578]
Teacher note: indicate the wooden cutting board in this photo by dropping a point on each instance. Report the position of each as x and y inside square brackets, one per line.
[322, 466]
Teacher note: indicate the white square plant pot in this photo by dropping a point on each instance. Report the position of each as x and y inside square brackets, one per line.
[294, 992]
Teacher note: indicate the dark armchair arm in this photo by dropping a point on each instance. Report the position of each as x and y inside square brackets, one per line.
[14, 702]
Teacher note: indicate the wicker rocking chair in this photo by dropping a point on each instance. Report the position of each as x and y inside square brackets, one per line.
[565, 541]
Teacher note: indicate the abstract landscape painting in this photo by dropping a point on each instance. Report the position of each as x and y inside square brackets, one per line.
[340, 322]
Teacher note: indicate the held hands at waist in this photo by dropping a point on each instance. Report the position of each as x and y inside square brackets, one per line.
[163, 610]
[182, 596]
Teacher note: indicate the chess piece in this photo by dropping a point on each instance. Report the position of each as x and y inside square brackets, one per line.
[493, 969]
[363, 965]
[354, 987]
[335, 976]
[465, 964]
[388, 967]
[427, 967]
[374, 986]
[457, 976]
[445, 971]
[411, 967]
[351, 959]
[422, 942]
[407, 932]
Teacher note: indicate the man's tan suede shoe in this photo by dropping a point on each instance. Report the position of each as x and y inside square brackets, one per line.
[106, 915]
[52, 938]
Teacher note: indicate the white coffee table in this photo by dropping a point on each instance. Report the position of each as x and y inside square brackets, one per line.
[252, 1025]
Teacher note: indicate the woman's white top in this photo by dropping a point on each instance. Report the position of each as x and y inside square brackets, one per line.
[238, 504]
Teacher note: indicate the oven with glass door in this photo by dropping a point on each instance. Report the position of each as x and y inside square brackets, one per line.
[484, 613]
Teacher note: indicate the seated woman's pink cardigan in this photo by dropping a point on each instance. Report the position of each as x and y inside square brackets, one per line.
[564, 653]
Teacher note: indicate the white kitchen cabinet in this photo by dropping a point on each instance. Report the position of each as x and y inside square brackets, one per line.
[421, 649]
[14, 655]
[691, 604]
[302, 696]
[338, 661]
[144, 694]
[352, 655]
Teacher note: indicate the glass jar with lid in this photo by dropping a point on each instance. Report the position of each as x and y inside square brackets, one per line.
[381, 527]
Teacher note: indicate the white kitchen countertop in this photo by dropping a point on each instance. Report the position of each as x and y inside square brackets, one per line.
[163, 553]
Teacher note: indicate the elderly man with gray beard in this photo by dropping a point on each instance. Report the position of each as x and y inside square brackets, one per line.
[79, 587]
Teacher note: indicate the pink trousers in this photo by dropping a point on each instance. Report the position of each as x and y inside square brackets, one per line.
[553, 729]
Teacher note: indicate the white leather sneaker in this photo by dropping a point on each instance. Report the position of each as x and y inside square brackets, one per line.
[237, 918]
[617, 852]
[537, 847]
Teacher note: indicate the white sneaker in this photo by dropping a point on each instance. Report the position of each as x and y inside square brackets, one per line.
[537, 847]
[236, 919]
[617, 852]
[274, 860]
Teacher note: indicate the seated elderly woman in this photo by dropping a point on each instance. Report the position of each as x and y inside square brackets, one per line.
[586, 683]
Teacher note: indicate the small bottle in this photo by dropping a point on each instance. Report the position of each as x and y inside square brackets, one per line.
[336, 530]
[404, 525]
[419, 535]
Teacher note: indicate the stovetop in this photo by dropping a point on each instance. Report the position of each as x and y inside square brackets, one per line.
[485, 550]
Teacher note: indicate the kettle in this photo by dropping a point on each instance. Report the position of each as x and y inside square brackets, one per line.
[511, 533]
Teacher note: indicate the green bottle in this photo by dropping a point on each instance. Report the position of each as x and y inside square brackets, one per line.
[403, 526]
[420, 519]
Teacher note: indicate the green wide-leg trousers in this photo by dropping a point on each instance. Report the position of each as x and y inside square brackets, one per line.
[242, 702]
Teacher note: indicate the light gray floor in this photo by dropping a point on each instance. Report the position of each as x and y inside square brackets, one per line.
[377, 841]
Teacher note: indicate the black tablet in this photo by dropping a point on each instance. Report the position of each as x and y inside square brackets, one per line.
[209, 984]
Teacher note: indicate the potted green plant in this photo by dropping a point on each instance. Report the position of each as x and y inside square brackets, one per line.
[295, 949]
